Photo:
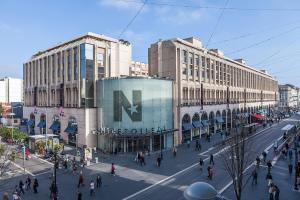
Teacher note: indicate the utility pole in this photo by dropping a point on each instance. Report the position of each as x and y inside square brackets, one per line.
[24, 148]
[55, 191]
[296, 161]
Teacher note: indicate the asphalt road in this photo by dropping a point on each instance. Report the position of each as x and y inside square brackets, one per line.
[173, 186]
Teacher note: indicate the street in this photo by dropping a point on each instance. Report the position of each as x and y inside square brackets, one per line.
[133, 181]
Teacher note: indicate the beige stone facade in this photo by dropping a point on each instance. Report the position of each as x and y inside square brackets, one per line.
[208, 85]
[62, 79]
[138, 69]
[289, 97]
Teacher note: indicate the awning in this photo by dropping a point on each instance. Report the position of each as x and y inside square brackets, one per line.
[71, 129]
[258, 116]
[187, 126]
[41, 124]
[30, 122]
[205, 122]
[197, 124]
[219, 120]
[55, 126]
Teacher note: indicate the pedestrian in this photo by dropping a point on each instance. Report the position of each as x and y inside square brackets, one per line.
[269, 178]
[92, 188]
[269, 164]
[81, 180]
[5, 196]
[35, 185]
[201, 163]
[113, 169]
[143, 160]
[211, 159]
[16, 196]
[210, 172]
[257, 161]
[21, 187]
[271, 196]
[277, 192]
[158, 161]
[188, 143]
[99, 181]
[53, 191]
[174, 152]
[197, 145]
[275, 146]
[66, 164]
[290, 154]
[290, 166]
[28, 183]
[79, 195]
[264, 156]
[254, 177]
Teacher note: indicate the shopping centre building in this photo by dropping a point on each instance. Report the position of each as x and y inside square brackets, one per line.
[75, 90]
[211, 90]
[82, 91]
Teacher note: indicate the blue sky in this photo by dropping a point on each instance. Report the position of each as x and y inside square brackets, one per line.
[267, 39]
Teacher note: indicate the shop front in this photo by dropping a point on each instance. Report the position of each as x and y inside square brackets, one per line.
[134, 117]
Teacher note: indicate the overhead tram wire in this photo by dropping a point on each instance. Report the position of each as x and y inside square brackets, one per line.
[170, 4]
[134, 17]
[217, 23]
[262, 41]
[252, 33]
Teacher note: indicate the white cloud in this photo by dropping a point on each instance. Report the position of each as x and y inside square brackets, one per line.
[131, 5]
[179, 16]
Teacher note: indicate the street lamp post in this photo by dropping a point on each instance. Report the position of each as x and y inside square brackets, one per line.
[12, 127]
[296, 162]
[161, 141]
[24, 149]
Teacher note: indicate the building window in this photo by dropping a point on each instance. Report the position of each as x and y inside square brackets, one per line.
[75, 64]
[197, 61]
[69, 65]
[58, 67]
[185, 56]
[191, 59]
[100, 63]
[184, 71]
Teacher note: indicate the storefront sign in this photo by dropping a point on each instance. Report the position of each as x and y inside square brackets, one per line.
[133, 131]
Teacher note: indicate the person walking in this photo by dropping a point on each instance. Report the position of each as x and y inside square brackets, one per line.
[277, 192]
[81, 180]
[99, 181]
[269, 178]
[275, 146]
[271, 196]
[201, 163]
[79, 195]
[211, 159]
[290, 166]
[197, 145]
[264, 154]
[28, 183]
[21, 187]
[92, 188]
[210, 172]
[257, 161]
[15, 196]
[254, 177]
[35, 185]
[113, 169]
[5, 196]
[158, 161]
[174, 152]
[269, 164]
[290, 154]
[188, 143]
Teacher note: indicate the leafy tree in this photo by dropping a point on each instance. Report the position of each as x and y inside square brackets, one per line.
[1, 109]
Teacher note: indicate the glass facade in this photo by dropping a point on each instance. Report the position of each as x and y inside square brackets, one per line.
[133, 116]
[87, 73]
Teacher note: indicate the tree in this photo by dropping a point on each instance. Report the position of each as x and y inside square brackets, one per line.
[1, 109]
[5, 157]
[236, 157]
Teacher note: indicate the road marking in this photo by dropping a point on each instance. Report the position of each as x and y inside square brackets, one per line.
[18, 166]
[45, 161]
[42, 173]
[190, 167]
[253, 163]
